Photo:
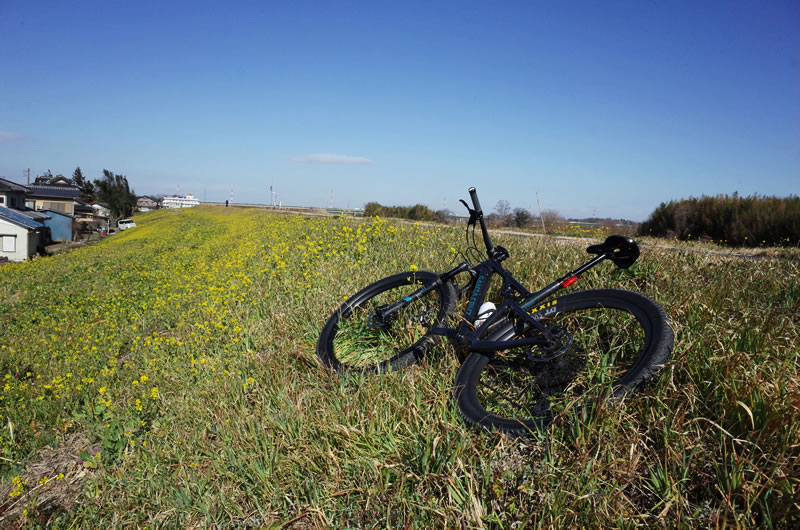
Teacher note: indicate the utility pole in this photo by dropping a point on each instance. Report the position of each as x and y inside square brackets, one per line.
[541, 217]
[29, 176]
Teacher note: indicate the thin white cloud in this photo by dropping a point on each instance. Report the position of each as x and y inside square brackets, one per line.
[329, 158]
[6, 136]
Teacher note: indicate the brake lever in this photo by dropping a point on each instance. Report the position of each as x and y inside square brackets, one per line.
[473, 215]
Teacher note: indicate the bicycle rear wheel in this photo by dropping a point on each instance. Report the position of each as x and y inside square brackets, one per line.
[619, 340]
[354, 339]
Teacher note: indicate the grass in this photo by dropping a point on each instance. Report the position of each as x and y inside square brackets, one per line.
[176, 361]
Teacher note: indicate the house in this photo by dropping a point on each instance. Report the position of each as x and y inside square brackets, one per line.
[39, 217]
[145, 204]
[20, 236]
[83, 211]
[61, 225]
[88, 218]
[58, 226]
[100, 210]
[54, 193]
[12, 195]
[179, 202]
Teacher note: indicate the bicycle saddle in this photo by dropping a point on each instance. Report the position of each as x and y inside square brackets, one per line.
[623, 251]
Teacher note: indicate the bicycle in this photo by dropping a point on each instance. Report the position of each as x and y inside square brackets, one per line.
[524, 361]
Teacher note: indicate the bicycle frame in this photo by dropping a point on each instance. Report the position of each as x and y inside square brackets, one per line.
[520, 309]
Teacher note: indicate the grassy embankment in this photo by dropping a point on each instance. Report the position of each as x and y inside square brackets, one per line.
[177, 359]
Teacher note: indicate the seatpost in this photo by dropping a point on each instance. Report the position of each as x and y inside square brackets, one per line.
[479, 214]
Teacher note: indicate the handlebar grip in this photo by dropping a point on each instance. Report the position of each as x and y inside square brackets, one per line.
[475, 202]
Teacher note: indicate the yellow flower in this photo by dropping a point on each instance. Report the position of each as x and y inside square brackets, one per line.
[19, 487]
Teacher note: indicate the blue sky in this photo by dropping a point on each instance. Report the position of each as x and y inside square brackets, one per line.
[605, 108]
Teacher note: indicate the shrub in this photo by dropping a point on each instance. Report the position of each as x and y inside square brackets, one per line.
[730, 220]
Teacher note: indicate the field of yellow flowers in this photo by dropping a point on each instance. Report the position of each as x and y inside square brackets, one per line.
[172, 368]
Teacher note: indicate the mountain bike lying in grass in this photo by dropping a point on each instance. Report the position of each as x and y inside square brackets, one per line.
[526, 360]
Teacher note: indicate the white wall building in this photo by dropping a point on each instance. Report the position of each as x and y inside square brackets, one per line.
[19, 235]
[179, 202]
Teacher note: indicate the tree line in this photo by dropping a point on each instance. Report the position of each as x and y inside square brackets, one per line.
[418, 212]
[728, 220]
[502, 216]
[112, 190]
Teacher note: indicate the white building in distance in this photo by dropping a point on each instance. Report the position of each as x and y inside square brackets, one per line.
[179, 202]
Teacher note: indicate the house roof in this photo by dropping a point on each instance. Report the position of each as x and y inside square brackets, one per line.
[60, 191]
[50, 214]
[7, 185]
[57, 180]
[32, 214]
[19, 219]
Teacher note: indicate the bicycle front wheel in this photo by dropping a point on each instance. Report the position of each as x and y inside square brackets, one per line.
[356, 339]
[619, 340]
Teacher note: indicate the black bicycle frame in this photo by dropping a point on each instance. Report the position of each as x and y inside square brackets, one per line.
[519, 305]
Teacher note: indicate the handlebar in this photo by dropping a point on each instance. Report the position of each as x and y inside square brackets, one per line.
[475, 202]
[477, 215]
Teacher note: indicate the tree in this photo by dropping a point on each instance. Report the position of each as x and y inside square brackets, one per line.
[443, 216]
[77, 177]
[373, 209]
[114, 191]
[86, 186]
[502, 215]
[552, 217]
[503, 208]
[522, 217]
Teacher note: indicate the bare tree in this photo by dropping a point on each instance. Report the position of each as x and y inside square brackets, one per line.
[552, 217]
[503, 208]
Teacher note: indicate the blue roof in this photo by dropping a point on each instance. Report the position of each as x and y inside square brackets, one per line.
[33, 214]
[18, 218]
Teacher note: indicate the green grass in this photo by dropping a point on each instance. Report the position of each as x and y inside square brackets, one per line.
[219, 311]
